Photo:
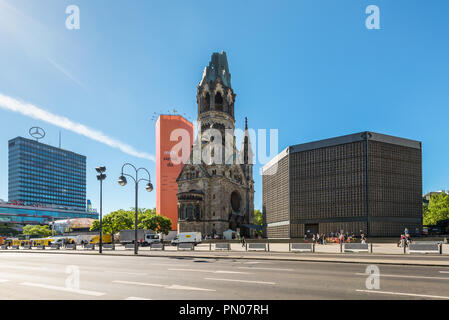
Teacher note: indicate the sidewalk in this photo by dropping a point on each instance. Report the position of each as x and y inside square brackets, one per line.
[318, 256]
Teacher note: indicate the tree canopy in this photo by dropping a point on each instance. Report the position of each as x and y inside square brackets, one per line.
[258, 219]
[436, 210]
[124, 220]
[36, 230]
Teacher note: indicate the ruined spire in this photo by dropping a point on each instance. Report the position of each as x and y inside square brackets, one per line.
[218, 67]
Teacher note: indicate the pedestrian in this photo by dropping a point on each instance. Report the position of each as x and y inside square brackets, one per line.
[341, 238]
[313, 238]
[363, 239]
[408, 239]
[243, 241]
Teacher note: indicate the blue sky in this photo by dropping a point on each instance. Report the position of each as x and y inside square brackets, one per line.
[309, 68]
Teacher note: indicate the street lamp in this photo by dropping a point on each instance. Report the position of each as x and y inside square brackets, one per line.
[149, 187]
[100, 177]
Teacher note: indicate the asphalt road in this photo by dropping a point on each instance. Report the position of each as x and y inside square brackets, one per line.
[55, 276]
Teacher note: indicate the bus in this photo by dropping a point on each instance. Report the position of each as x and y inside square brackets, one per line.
[107, 238]
[41, 241]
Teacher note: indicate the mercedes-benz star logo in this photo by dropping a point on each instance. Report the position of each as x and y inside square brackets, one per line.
[37, 133]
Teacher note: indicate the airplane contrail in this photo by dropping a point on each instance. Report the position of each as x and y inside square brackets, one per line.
[32, 111]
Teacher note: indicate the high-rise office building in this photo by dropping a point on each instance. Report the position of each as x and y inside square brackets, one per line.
[166, 170]
[43, 174]
[367, 182]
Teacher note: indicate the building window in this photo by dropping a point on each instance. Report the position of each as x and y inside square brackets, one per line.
[206, 105]
[218, 102]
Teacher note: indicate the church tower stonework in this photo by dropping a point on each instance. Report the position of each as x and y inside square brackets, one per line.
[216, 187]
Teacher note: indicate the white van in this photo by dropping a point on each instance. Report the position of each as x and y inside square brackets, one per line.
[151, 238]
[187, 237]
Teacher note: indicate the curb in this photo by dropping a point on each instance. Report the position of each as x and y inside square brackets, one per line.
[299, 259]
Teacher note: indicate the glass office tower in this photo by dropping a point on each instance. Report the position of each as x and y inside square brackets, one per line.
[43, 174]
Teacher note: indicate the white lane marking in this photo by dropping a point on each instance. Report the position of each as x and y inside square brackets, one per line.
[5, 266]
[405, 276]
[405, 294]
[444, 271]
[257, 262]
[131, 273]
[78, 291]
[3, 280]
[271, 269]
[246, 281]
[136, 298]
[169, 264]
[178, 287]
[140, 283]
[173, 286]
[210, 271]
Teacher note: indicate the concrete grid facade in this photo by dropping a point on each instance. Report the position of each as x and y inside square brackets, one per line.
[365, 181]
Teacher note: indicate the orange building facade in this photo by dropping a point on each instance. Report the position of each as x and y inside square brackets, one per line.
[169, 162]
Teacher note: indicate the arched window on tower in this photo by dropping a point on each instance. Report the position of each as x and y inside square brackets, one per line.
[218, 101]
[206, 102]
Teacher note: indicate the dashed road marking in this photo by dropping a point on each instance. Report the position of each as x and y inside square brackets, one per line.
[78, 291]
[404, 294]
[210, 271]
[405, 276]
[269, 269]
[136, 298]
[246, 281]
[130, 273]
[172, 286]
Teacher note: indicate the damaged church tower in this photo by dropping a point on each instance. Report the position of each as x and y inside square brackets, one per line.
[216, 188]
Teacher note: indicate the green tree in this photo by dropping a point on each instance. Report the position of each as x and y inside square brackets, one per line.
[258, 220]
[155, 222]
[114, 222]
[36, 230]
[124, 220]
[8, 230]
[436, 210]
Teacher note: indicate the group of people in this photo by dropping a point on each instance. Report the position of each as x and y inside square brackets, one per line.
[338, 237]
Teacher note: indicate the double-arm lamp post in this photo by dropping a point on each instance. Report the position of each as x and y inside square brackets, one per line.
[100, 177]
[149, 187]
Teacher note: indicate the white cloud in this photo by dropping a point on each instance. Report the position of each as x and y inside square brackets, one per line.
[32, 111]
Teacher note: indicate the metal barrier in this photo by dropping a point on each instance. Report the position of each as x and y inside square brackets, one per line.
[302, 247]
[15, 247]
[40, 247]
[129, 246]
[89, 247]
[433, 247]
[27, 247]
[356, 247]
[186, 246]
[70, 246]
[157, 246]
[222, 246]
[108, 246]
[257, 246]
[4, 247]
[55, 246]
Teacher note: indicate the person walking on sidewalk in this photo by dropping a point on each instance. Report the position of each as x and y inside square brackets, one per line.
[243, 241]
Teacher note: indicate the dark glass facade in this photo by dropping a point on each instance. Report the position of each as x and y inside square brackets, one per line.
[43, 174]
[17, 214]
[365, 181]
